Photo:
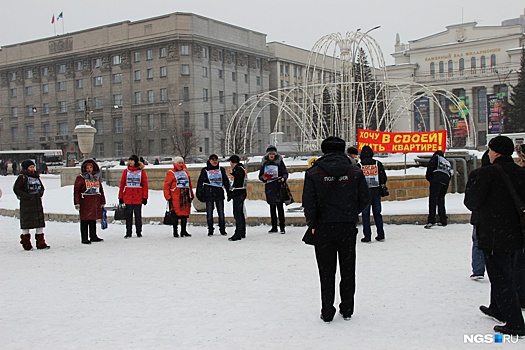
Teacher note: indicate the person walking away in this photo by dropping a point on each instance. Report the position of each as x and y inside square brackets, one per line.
[519, 273]
[133, 192]
[89, 199]
[499, 231]
[237, 194]
[212, 180]
[14, 167]
[375, 176]
[29, 189]
[179, 192]
[353, 154]
[438, 175]
[334, 193]
[273, 173]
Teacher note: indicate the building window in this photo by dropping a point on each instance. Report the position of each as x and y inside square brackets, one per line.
[62, 86]
[45, 108]
[29, 110]
[30, 132]
[46, 129]
[205, 95]
[162, 52]
[117, 78]
[117, 100]
[206, 145]
[441, 67]
[61, 68]
[186, 119]
[432, 68]
[117, 125]
[138, 97]
[185, 69]
[492, 62]
[234, 98]
[79, 83]
[204, 52]
[62, 107]
[29, 90]
[206, 122]
[45, 71]
[482, 105]
[185, 50]
[258, 80]
[29, 74]
[97, 62]
[97, 81]
[137, 75]
[450, 68]
[138, 121]
[221, 96]
[220, 55]
[136, 56]
[461, 66]
[150, 96]
[14, 134]
[483, 64]
[205, 71]
[258, 63]
[99, 125]
[151, 122]
[163, 72]
[117, 60]
[246, 78]
[118, 148]
[473, 64]
[13, 76]
[163, 121]
[99, 102]
[14, 112]
[149, 73]
[186, 93]
[149, 55]
[234, 76]
[99, 150]
[163, 95]
[80, 104]
[62, 129]
[45, 88]
[221, 122]
[221, 74]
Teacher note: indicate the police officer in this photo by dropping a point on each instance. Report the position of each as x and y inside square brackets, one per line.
[334, 193]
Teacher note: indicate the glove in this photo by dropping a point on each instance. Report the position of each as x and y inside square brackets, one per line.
[77, 206]
[121, 201]
[144, 201]
[229, 196]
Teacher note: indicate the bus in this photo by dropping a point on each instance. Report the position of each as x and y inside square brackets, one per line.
[518, 138]
[47, 157]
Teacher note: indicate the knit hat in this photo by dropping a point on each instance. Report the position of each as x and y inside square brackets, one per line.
[352, 150]
[27, 163]
[271, 149]
[502, 145]
[213, 156]
[135, 158]
[235, 159]
[333, 144]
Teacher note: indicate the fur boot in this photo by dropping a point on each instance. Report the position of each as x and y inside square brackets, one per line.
[41, 242]
[25, 241]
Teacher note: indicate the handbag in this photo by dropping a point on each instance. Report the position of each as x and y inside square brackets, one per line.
[285, 195]
[384, 190]
[120, 212]
[104, 220]
[517, 201]
[169, 218]
[308, 237]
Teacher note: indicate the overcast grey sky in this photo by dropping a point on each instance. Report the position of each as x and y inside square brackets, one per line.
[299, 22]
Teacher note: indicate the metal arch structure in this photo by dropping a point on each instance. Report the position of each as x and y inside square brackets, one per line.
[333, 65]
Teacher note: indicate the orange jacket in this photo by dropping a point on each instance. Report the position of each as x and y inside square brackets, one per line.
[173, 193]
[133, 195]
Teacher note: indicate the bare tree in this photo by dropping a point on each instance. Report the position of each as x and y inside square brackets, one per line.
[184, 139]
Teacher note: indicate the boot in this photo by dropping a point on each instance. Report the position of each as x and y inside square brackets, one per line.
[235, 237]
[25, 241]
[175, 231]
[282, 228]
[41, 242]
[183, 232]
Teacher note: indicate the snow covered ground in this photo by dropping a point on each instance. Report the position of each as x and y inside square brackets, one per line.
[159, 292]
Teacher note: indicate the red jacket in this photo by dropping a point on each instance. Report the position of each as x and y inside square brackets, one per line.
[133, 185]
[89, 193]
[182, 207]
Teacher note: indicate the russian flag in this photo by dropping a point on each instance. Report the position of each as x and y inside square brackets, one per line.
[53, 19]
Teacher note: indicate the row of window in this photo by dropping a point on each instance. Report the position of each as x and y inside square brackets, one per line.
[473, 65]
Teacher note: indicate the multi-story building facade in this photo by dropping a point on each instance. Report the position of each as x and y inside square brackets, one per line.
[142, 85]
[478, 64]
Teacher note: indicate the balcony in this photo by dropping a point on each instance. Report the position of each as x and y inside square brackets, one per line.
[44, 139]
[61, 138]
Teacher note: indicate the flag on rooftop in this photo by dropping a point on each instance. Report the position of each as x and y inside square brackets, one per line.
[60, 16]
[53, 19]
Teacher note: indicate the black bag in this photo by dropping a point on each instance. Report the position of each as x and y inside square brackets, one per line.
[120, 212]
[169, 216]
[285, 195]
[308, 237]
[384, 191]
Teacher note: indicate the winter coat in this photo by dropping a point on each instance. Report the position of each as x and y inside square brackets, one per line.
[369, 163]
[270, 173]
[237, 181]
[206, 191]
[438, 169]
[133, 185]
[29, 189]
[335, 191]
[484, 162]
[498, 223]
[178, 190]
[89, 193]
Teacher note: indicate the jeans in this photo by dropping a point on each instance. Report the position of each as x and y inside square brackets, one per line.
[238, 214]
[503, 297]
[378, 218]
[219, 203]
[437, 198]
[274, 210]
[130, 210]
[478, 260]
[340, 245]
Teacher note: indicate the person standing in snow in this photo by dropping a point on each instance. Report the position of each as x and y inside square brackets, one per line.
[438, 174]
[133, 192]
[499, 231]
[89, 199]
[179, 192]
[273, 173]
[375, 176]
[212, 180]
[353, 154]
[334, 193]
[237, 193]
[29, 190]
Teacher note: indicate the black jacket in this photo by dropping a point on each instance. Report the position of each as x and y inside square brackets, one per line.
[206, 192]
[29, 190]
[436, 172]
[271, 189]
[237, 185]
[335, 191]
[498, 223]
[367, 159]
